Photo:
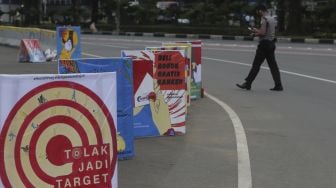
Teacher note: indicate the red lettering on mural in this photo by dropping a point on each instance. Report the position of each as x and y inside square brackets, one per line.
[90, 167]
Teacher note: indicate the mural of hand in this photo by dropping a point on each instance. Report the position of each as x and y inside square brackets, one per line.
[160, 110]
[121, 145]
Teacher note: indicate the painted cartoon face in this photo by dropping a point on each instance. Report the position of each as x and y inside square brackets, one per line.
[68, 45]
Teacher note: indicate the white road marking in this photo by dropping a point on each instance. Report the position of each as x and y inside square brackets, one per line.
[277, 52]
[91, 55]
[105, 45]
[122, 40]
[307, 76]
[244, 166]
[266, 68]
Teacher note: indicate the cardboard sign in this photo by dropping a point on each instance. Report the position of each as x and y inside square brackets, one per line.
[124, 69]
[30, 51]
[68, 42]
[58, 130]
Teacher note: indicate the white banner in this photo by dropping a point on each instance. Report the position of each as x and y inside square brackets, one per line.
[58, 130]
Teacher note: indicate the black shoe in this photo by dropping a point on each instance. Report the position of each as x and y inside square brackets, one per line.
[244, 86]
[277, 88]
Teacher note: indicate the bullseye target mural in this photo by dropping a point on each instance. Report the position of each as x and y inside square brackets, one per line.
[58, 131]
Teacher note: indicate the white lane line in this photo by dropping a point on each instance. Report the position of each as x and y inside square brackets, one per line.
[105, 45]
[277, 52]
[91, 55]
[266, 68]
[244, 166]
[307, 76]
[278, 47]
[122, 40]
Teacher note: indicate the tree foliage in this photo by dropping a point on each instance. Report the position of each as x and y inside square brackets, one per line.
[295, 10]
[31, 11]
[293, 17]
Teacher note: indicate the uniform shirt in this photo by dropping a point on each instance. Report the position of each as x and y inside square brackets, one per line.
[269, 23]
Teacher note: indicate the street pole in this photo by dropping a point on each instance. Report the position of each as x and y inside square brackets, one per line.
[9, 11]
[118, 17]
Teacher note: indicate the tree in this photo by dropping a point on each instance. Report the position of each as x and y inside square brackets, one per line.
[117, 16]
[294, 16]
[281, 15]
[326, 16]
[139, 14]
[202, 13]
[31, 12]
[75, 11]
[94, 15]
[94, 11]
[108, 7]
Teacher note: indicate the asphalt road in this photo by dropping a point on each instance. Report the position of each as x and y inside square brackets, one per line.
[290, 134]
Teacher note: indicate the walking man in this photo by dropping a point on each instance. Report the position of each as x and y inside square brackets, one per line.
[265, 50]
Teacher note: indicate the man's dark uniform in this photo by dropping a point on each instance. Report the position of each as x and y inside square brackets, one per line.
[265, 50]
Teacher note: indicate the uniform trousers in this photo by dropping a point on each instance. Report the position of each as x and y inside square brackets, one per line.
[265, 50]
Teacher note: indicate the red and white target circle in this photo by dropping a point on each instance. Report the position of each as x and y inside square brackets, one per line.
[49, 129]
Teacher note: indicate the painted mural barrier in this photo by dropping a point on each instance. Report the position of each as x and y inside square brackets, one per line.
[58, 130]
[124, 69]
[30, 51]
[166, 112]
[196, 66]
[68, 42]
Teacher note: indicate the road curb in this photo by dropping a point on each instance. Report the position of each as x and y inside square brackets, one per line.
[216, 37]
